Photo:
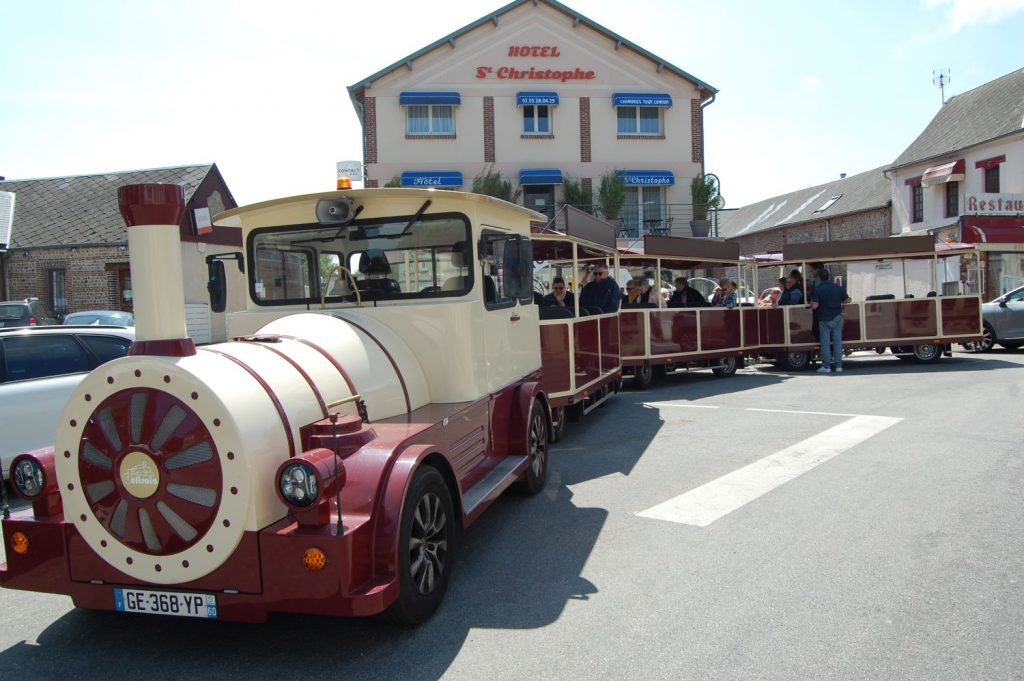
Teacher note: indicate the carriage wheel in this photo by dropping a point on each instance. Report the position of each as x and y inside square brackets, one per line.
[927, 352]
[536, 474]
[726, 367]
[643, 376]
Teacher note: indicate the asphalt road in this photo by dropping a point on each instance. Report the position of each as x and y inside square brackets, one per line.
[897, 555]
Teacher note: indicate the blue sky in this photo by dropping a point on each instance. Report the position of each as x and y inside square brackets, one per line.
[807, 90]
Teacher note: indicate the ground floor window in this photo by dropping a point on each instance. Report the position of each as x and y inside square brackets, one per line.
[644, 211]
[57, 288]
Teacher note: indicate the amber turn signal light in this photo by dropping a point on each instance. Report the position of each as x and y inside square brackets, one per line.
[314, 560]
[19, 543]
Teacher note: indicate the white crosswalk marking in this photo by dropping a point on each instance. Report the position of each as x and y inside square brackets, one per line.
[709, 502]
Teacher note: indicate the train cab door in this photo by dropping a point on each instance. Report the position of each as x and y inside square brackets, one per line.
[511, 339]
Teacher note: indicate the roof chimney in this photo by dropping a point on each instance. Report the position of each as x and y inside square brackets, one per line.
[842, 176]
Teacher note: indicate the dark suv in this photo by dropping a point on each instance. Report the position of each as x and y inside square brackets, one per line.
[28, 312]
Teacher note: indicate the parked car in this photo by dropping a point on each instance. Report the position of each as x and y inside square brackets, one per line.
[1002, 322]
[39, 367]
[27, 312]
[101, 318]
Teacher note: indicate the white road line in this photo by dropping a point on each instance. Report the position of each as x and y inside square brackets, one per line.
[683, 406]
[793, 411]
[709, 502]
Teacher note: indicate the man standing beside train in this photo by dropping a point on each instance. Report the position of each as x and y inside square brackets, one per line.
[827, 300]
[602, 293]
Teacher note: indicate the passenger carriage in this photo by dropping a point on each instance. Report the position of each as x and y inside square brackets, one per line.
[383, 387]
[909, 295]
[656, 338]
[582, 366]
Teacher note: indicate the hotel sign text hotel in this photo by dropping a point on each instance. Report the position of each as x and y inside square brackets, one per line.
[533, 72]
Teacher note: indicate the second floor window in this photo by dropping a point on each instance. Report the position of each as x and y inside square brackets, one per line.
[917, 203]
[430, 119]
[639, 120]
[952, 199]
[992, 180]
[536, 119]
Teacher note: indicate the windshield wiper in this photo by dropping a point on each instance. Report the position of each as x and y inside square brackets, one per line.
[417, 216]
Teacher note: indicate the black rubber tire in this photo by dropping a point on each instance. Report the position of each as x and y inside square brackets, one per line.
[794, 361]
[426, 546]
[557, 424]
[727, 366]
[536, 475]
[643, 376]
[927, 352]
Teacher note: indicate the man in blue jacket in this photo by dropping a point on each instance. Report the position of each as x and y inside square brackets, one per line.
[602, 293]
[827, 300]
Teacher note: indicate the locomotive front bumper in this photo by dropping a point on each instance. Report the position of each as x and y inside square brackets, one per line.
[269, 567]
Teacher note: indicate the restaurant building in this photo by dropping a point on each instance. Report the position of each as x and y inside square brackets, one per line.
[542, 95]
[962, 179]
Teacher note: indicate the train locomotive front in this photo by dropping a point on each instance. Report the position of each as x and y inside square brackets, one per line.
[290, 468]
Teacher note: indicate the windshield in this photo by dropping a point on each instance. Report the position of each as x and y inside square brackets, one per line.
[365, 260]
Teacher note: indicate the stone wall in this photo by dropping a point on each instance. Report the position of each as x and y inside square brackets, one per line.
[90, 275]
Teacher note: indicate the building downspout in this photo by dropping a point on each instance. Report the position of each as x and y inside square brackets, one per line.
[702, 107]
[361, 115]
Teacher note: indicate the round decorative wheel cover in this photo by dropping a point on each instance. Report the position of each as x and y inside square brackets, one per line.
[150, 471]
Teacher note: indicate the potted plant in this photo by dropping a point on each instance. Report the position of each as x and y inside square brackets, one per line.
[704, 193]
[611, 195]
[576, 195]
[491, 183]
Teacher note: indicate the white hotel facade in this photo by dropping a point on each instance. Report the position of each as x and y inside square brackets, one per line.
[541, 94]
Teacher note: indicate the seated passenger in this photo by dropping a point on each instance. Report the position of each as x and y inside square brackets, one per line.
[632, 291]
[792, 295]
[685, 295]
[559, 296]
[771, 295]
[602, 293]
[647, 297]
[725, 295]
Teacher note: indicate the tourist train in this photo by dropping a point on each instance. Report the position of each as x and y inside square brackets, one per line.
[391, 375]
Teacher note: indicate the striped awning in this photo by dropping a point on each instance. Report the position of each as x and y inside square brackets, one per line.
[432, 178]
[647, 177]
[947, 172]
[549, 98]
[411, 98]
[642, 99]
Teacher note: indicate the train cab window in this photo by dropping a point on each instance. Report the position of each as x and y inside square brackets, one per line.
[393, 258]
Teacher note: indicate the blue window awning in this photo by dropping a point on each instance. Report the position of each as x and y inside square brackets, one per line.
[642, 99]
[647, 177]
[540, 176]
[410, 98]
[432, 178]
[550, 98]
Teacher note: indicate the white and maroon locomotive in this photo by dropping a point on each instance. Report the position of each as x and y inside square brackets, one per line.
[383, 387]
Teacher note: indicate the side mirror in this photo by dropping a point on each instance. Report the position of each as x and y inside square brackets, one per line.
[1002, 302]
[217, 285]
[525, 270]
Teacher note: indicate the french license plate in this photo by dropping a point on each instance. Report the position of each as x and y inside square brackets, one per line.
[178, 603]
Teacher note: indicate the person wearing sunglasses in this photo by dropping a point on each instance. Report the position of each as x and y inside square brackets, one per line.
[560, 295]
[602, 293]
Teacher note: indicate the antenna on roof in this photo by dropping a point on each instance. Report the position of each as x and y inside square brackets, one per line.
[940, 79]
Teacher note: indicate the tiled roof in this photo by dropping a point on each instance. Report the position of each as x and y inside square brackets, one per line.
[857, 193]
[82, 209]
[984, 113]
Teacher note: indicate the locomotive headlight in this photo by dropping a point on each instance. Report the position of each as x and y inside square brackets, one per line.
[298, 484]
[29, 477]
